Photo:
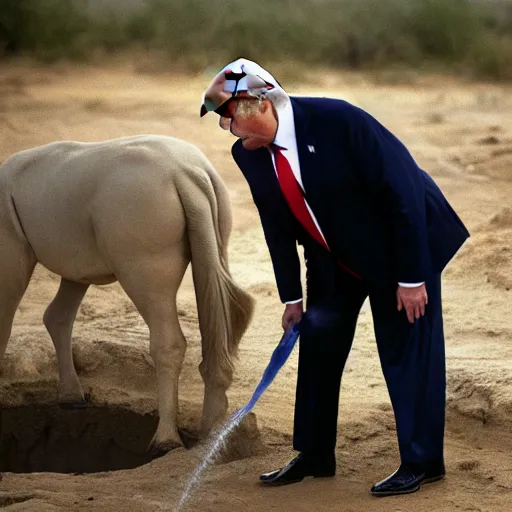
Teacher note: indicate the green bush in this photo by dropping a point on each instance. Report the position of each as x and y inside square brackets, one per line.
[49, 29]
[461, 34]
[493, 59]
[445, 30]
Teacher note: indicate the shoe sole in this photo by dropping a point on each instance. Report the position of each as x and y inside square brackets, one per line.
[270, 483]
[409, 491]
[433, 479]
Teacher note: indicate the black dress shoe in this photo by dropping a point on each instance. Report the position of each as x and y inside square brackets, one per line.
[318, 466]
[408, 478]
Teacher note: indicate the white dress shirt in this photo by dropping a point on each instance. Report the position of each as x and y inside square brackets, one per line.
[287, 141]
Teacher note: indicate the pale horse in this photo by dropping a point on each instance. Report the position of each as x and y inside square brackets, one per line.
[136, 210]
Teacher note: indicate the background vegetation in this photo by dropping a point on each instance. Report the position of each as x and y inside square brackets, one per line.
[472, 37]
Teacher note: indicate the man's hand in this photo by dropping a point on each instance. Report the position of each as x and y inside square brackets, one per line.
[413, 300]
[292, 315]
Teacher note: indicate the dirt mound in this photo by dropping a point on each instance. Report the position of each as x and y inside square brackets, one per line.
[109, 372]
[499, 166]
[488, 253]
[482, 395]
[502, 220]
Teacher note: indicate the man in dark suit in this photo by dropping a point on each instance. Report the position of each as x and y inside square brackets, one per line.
[326, 175]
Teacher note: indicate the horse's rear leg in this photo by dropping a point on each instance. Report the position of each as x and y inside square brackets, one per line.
[58, 319]
[152, 283]
[17, 262]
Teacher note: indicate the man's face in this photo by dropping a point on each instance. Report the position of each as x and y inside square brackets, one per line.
[255, 123]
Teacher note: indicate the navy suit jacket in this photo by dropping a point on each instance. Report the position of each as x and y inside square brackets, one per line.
[381, 215]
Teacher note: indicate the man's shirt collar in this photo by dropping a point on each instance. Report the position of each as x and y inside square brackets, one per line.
[285, 135]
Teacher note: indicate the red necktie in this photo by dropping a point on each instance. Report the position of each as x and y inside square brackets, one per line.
[295, 198]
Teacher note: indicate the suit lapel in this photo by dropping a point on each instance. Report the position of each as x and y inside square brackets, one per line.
[309, 164]
[261, 162]
[305, 142]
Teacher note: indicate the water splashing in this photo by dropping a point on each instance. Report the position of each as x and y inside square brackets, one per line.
[212, 452]
[279, 357]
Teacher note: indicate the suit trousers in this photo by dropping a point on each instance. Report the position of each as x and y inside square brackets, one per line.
[412, 357]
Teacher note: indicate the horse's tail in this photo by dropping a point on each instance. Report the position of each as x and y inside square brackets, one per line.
[224, 309]
[224, 217]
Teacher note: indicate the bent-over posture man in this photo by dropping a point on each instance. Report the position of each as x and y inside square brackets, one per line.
[328, 176]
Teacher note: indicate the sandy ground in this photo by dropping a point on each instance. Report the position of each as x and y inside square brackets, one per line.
[460, 133]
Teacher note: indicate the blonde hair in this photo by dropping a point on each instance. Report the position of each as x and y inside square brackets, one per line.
[248, 107]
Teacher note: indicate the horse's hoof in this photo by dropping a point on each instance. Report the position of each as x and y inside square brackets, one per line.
[72, 405]
[159, 450]
[189, 438]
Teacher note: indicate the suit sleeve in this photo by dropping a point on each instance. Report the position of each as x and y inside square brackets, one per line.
[390, 171]
[282, 244]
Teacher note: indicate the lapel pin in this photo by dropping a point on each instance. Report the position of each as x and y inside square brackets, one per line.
[311, 149]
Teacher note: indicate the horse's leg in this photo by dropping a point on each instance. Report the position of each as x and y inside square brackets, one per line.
[17, 262]
[58, 319]
[152, 283]
[215, 402]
